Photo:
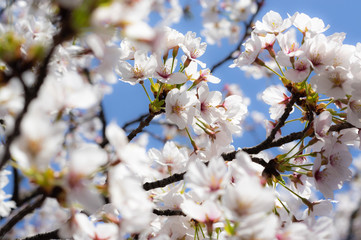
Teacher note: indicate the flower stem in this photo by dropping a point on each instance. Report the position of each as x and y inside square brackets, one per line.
[272, 70]
[146, 92]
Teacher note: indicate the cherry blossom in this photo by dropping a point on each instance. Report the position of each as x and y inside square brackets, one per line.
[200, 162]
[144, 67]
[181, 107]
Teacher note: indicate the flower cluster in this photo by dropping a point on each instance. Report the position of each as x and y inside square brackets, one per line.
[89, 178]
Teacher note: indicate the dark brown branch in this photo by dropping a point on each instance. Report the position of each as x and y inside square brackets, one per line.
[280, 123]
[105, 140]
[341, 126]
[180, 176]
[16, 185]
[44, 236]
[142, 125]
[287, 139]
[30, 207]
[29, 197]
[260, 161]
[55, 234]
[168, 212]
[163, 182]
[268, 143]
[247, 33]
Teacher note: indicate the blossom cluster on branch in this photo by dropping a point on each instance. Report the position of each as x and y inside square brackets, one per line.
[77, 175]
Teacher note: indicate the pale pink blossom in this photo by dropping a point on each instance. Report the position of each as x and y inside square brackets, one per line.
[309, 25]
[208, 212]
[166, 74]
[144, 67]
[300, 72]
[276, 97]
[322, 124]
[181, 107]
[209, 102]
[334, 82]
[193, 48]
[354, 111]
[207, 181]
[253, 47]
[171, 159]
[272, 22]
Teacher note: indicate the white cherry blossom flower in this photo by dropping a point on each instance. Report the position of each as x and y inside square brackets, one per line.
[253, 47]
[172, 159]
[334, 82]
[272, 22]
[193, 48]
[39, 142]
[209, 101]
[207, 181]
[181, 107]
[131, 200]
[165, 73]
[82, 228]
[208, 212]
[5, 203]
[322, 124]
[326, 178]
[317, 50]
[300, 72]
[144, 67]
[240, 10]
[354, 111]
[309, 25]
[215, 31]
[277, 98]
[172, 38]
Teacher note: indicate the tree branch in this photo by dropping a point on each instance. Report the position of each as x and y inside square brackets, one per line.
[180, 176]
[55, 234]
[142, 125]
[139, 119]
[20, 215]
[163, 182]
[246, 34]
[44, 236]
[105, 140]
[16, 185]
[168, 212]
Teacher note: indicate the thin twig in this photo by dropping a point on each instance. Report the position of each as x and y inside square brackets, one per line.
[139, 119]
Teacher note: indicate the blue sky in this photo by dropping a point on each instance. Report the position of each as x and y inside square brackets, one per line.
[128, 102]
